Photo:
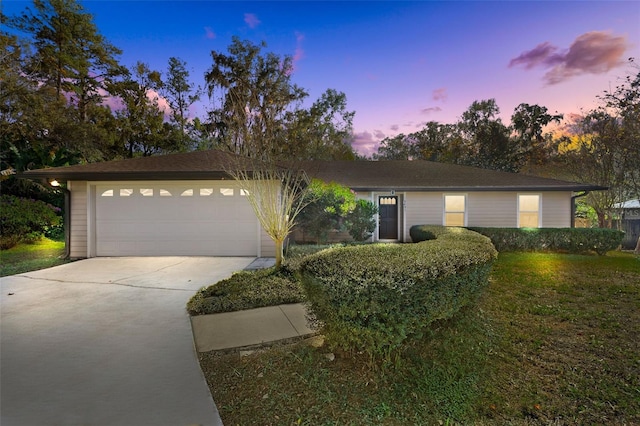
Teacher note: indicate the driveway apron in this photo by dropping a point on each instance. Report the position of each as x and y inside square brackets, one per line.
[105, 341]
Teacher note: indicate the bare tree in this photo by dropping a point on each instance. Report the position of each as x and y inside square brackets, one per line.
[276, 194]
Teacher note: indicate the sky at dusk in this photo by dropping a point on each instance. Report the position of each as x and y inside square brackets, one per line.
[400, 64]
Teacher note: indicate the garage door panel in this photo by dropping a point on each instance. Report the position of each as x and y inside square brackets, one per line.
[196, 219]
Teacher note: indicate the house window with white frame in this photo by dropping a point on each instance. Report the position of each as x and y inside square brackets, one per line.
[529, 210]
[455, 210]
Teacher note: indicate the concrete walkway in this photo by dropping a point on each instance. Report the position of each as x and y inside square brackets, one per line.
[105, 341]
[235, 330]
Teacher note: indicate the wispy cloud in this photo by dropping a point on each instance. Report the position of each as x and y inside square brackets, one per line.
[251, 20]
[394, 127]
[299, 53]
[595, 52]
[440, 95]
[430, 110]
[208, 32]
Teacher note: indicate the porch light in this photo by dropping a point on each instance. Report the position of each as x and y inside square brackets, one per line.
[54, 183]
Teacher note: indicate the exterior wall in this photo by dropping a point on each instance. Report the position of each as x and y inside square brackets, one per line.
[492, 209]
[423, 208]
[79, 222]
[556, 209]
[486, 209]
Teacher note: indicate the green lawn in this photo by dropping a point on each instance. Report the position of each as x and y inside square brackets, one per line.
[30, 257]
[554, 340]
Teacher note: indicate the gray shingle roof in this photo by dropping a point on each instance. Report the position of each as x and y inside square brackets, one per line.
[358, 175]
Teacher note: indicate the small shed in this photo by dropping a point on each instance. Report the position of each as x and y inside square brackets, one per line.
[630, 222]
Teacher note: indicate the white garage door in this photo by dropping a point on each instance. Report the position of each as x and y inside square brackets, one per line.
[207, 218]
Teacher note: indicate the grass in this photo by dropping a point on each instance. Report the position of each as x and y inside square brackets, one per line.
[42, 254]
[554, 340]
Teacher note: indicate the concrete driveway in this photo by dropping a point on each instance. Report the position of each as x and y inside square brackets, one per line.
[105, 341]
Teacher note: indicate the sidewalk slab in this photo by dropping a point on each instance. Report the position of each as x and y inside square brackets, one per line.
[251, 327]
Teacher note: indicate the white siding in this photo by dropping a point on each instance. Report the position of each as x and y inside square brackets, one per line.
[556, 209]
[423, 208]
[492, 209]
[78, 237]
[486, 209]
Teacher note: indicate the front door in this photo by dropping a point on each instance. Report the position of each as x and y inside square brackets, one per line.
[388, 212]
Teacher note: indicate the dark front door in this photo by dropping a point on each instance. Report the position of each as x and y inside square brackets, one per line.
[388, 211]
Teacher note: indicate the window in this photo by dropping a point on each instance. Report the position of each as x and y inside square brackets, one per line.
[244, 193]
[206, 192]
[165, 193]
[529, 211]
[187, 193]
[107, 193]
[388, 201]
[125, 192]
[454, 210]
[227, 192]
[146, 192]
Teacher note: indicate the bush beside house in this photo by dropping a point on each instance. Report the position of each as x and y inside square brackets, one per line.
[374, 297]
[25, 220]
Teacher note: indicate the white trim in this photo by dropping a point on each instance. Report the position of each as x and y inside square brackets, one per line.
[465, 212]
[91, 220]
[400, 221]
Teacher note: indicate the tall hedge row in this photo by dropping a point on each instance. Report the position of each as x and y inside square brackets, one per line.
[372, 298]
[566, 240]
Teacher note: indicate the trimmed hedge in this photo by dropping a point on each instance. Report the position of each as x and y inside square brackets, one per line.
[246, 290]
[565, 240]
[373, 298]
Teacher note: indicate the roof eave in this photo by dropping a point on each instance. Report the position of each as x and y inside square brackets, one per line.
[122, 176]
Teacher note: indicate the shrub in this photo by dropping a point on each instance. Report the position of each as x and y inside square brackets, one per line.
[24, 219]
[421, 233]
[246, 290]
[361, 221]
[332, 206]
[374, 297]
[565, 240]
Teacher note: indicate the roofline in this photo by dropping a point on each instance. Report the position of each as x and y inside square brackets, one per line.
[119, 176]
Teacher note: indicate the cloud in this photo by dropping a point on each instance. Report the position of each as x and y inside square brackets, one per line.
[378, 134]
[440, 94]
[208, 31]
[251, 20]
[394, 127]
[365, 144]
[299, 53]
[430, 110]
[595, 52]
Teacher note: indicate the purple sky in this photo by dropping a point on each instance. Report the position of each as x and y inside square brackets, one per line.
[400, 64]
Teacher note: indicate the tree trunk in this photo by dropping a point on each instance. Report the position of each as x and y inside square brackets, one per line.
[279, 255]
[637, 250]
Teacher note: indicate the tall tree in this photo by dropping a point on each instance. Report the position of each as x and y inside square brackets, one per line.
[141, 121]
[624, 104]
[528, 123]
[180, 94]
[322, 132]
[70, 54]
[437, 142]
[597, 156]
[252, 92]
[487, 140]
